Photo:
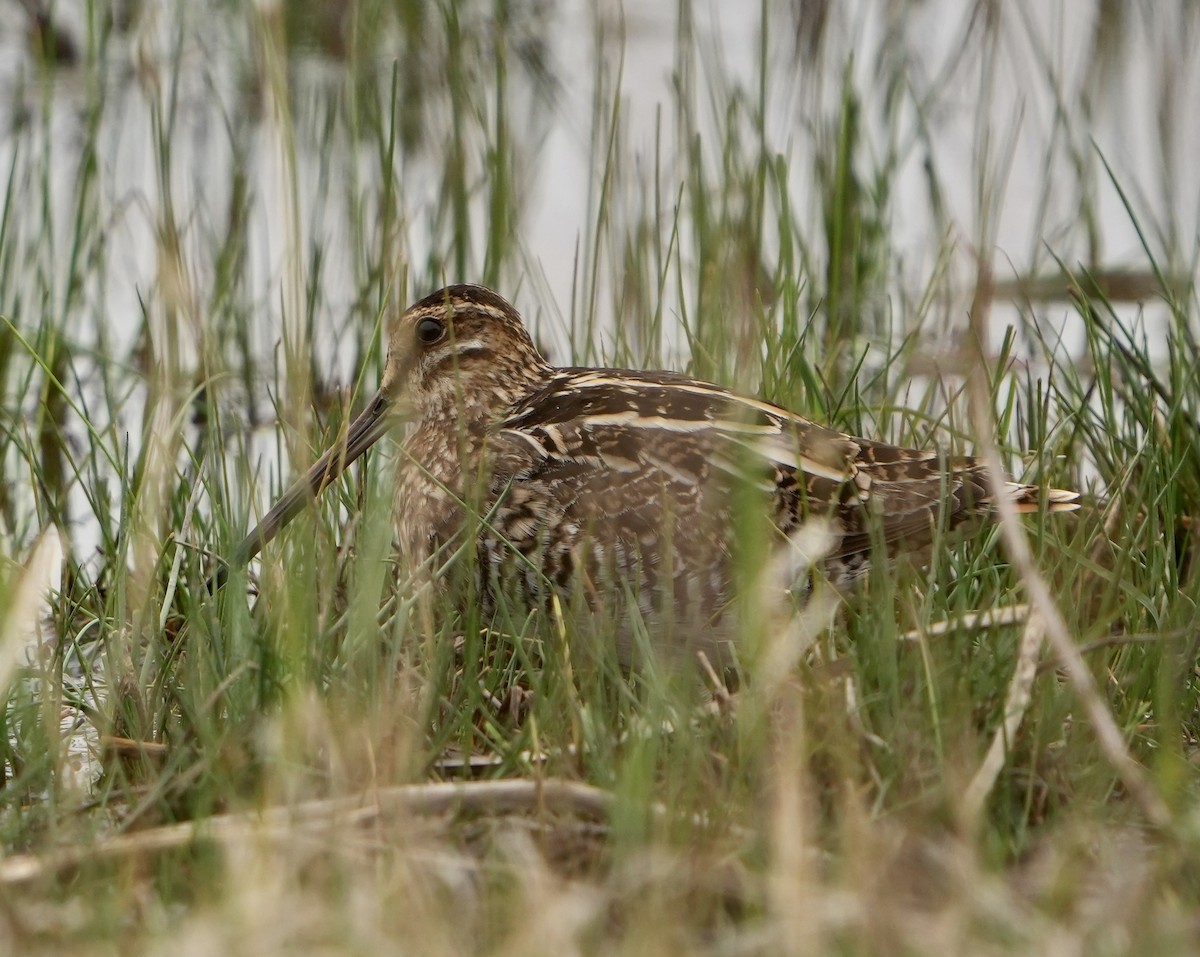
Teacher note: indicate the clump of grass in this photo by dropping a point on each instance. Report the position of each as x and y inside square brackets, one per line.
[262, 755]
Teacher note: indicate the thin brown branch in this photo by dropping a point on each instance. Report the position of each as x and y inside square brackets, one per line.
[281, 823]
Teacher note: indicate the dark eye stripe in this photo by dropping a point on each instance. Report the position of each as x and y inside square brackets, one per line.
[454, 356]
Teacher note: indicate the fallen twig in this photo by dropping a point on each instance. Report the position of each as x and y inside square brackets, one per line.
[280, 823]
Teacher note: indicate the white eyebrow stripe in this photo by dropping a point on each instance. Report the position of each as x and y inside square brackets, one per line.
[447, 310]
[490, 311]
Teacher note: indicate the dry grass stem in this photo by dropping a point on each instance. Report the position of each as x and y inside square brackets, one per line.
[971, 621]
[1016, 544]
[1016, 702]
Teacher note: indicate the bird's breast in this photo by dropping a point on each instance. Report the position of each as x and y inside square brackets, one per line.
[440, 473]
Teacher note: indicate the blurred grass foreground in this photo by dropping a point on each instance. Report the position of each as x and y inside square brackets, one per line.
[967, 225]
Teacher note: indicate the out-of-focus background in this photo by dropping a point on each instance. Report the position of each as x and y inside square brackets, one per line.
[209, 213]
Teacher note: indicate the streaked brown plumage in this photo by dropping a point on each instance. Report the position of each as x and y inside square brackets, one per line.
[608, 480]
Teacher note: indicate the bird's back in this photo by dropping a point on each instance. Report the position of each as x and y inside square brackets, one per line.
[652, 481]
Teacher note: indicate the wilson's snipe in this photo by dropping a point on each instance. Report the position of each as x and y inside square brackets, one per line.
[590, 479]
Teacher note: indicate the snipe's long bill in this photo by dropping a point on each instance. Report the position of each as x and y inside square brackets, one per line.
[593, 477]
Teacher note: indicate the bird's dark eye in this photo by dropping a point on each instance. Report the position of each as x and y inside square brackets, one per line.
[430, 330]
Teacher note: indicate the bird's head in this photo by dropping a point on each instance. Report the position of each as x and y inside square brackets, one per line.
[455, 358]
[461, 350]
